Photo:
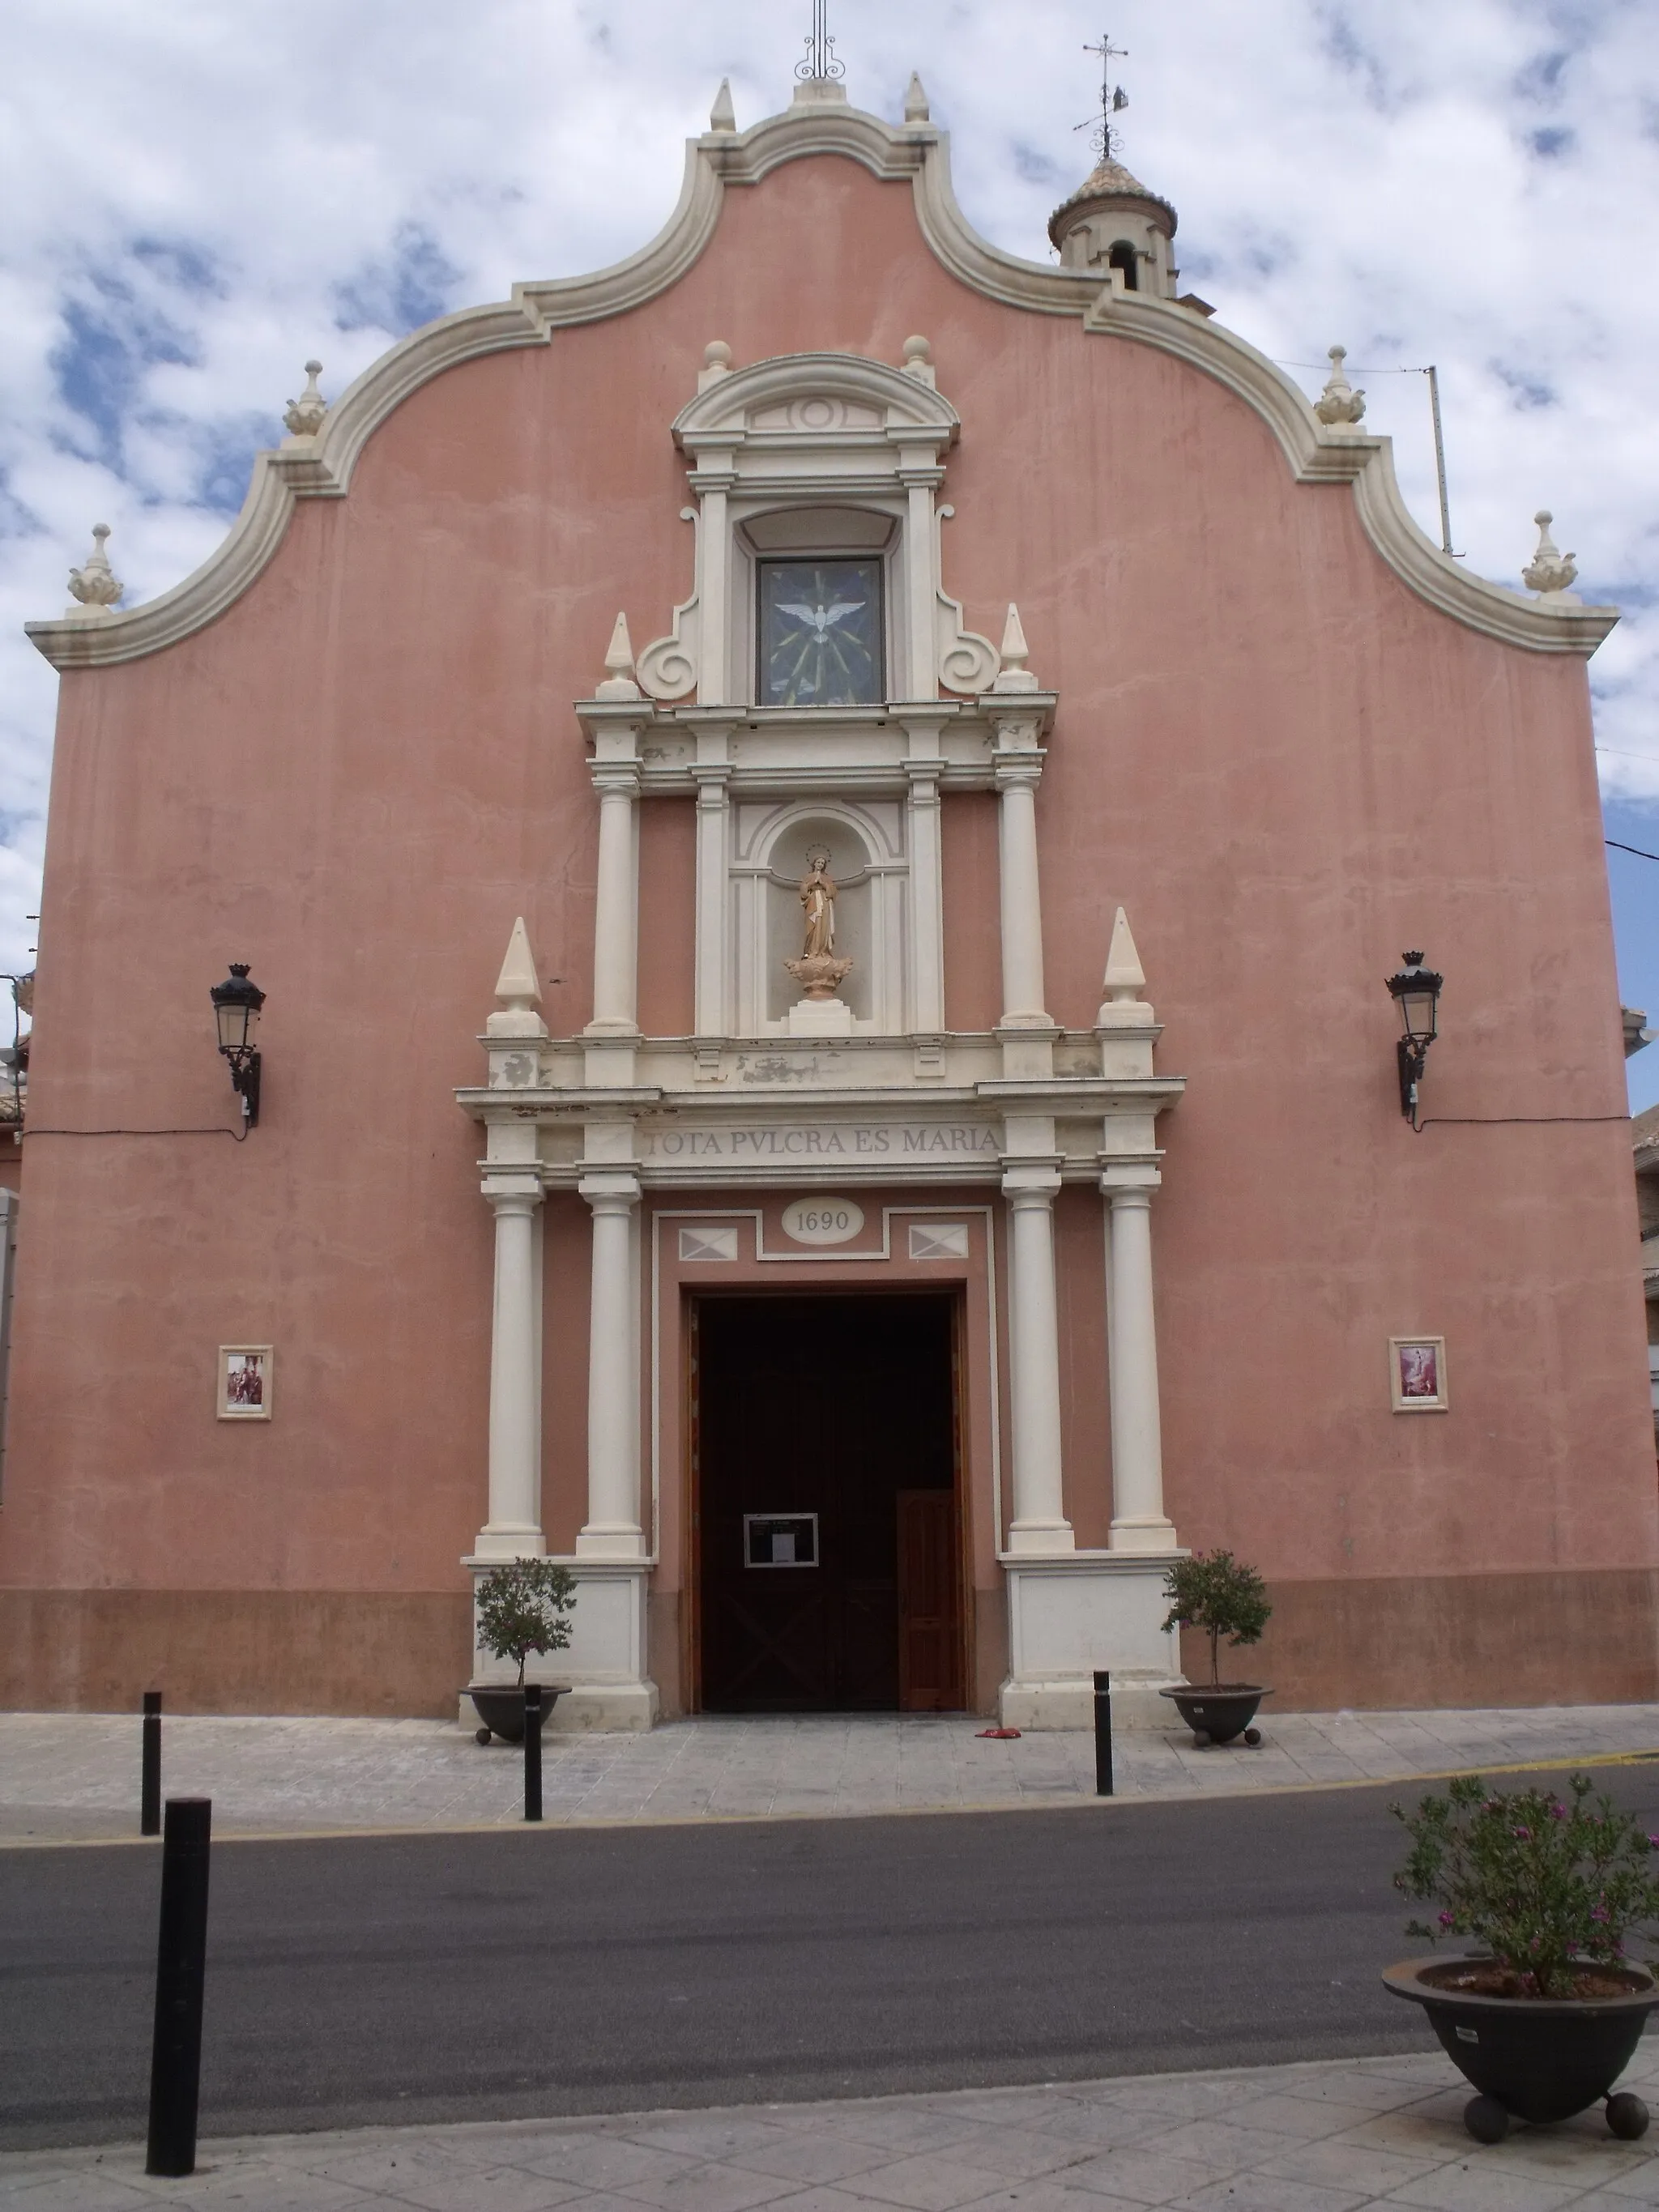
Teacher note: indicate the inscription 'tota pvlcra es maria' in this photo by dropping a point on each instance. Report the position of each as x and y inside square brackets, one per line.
[846, 1141]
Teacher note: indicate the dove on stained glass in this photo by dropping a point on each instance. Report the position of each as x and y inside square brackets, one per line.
[822, 619]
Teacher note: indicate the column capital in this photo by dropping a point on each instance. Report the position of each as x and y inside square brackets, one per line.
[1130, 1186]
[1018, 771]
[1030, 1183]
[615, 779]
[513, 1193]
[612, 1191]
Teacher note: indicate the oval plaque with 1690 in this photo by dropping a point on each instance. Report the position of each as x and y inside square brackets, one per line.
[822, 1220]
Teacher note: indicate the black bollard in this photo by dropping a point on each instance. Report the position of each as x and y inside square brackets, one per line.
[532, 1751]
[149, 1783]
[1102, 1735]
[175, 2072]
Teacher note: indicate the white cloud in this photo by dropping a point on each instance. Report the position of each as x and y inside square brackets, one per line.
[201, 194]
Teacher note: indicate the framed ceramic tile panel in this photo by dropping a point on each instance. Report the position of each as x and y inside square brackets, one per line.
[244, 1381]
[1417, 1374]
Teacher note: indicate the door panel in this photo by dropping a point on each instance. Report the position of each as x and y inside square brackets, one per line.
[929, 1642]
[833, 1407]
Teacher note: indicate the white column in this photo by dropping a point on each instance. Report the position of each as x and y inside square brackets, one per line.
[715, 684]
[615, 921]
[926, 901]
[1039, 1523]
[920, 583]
[1138, 1519]
[714, 898]
[612, 1529]
[514, 1528]
[1022, 905]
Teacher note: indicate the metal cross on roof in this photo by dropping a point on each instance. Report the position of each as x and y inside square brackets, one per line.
[821, 60]
[1113, 100]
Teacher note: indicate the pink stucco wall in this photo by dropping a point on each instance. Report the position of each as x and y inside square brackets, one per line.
[1285, 765]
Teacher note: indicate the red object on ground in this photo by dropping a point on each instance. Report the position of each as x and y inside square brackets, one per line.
[1000, 1732]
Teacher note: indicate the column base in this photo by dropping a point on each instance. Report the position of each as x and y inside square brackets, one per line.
[1069, 1616]
[599, 1542]
[609, 1065]
[1042, 1539]
[1145, 1535]
[493, 1548]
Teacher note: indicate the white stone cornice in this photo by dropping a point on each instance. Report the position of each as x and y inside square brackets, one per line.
[320, 467]
[1318, 454]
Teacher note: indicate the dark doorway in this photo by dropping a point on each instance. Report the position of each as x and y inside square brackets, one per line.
[828, 1519]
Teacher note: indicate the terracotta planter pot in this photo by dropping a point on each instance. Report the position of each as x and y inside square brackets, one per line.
[1222, 1711]
[1537, 2058]
[500, 1706]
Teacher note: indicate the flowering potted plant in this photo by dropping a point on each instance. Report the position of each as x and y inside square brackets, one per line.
[523, 1607]
[1544, 2016]
[1214, 1592]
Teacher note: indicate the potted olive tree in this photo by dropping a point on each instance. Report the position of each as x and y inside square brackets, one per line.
[1211, 1591]
[523, 1606]
[1544, 2015]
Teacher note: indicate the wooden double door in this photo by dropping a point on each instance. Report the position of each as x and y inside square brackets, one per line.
[826, 1511]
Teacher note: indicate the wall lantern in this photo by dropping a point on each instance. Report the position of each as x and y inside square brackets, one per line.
[1416, 992]
[236, 1007]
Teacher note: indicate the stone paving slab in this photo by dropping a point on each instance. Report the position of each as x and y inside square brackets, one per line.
[67, 1777]
[1336, 2136]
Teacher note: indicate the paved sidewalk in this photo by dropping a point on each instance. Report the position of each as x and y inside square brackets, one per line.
[67, 1776]
[1310, 2138]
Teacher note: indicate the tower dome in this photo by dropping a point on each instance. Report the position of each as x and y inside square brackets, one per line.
[1112, 221]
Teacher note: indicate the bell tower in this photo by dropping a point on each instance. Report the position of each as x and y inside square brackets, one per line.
[1111, 222]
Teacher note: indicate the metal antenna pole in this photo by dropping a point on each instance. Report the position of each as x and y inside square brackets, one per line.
[1433, 375]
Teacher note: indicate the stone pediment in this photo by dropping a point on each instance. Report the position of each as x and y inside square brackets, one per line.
[802, 398]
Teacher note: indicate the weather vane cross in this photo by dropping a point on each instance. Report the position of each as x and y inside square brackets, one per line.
[821, 60]
[1113, 99]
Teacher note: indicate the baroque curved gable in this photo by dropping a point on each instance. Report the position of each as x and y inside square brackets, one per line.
[320, 467]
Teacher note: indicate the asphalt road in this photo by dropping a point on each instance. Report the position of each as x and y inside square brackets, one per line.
[519, 1974]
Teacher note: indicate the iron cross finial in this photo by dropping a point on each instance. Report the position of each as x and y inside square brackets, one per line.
[821, 60]
[1114, 99]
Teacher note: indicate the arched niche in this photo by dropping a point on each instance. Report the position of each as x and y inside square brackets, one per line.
[864, 841]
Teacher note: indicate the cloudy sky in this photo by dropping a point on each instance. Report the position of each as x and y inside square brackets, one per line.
[199, 194]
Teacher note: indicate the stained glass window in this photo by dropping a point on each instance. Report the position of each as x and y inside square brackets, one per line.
[820, 633]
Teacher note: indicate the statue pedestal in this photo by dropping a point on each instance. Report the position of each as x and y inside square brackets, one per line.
[820, 1017]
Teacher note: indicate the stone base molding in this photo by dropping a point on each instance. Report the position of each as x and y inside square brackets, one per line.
[1584, 1637]
[1078, 1611]
[610, 1690]
[375, 1654]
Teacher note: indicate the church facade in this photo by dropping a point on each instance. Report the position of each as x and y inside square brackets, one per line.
[939, 755]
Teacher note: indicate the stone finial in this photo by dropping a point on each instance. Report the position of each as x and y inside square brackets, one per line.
[917, 109]
[304, 416]
[919, 361]
[518, 990]
[716, 363]
[94, 586]
[1550, 571]
[1339, 406]
[722, 116]
[1013, 675]
[619, 665]
[1124, 982]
